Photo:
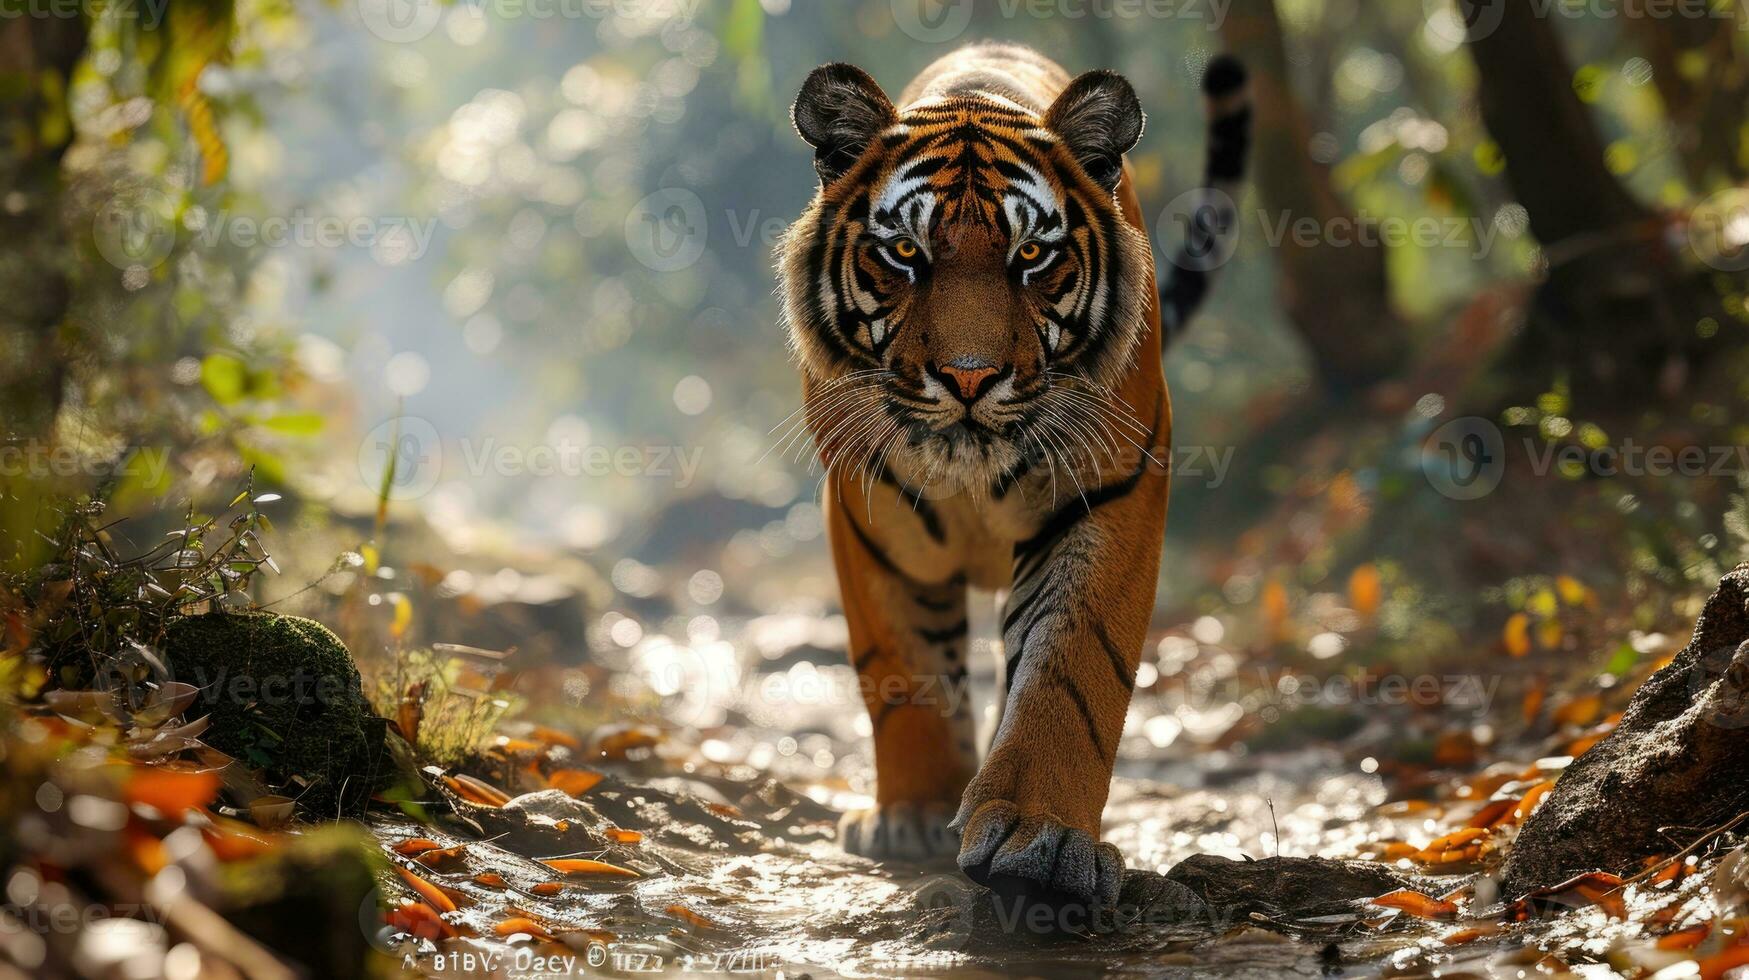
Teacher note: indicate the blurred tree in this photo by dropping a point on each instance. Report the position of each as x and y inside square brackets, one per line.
[1616, 314]
[39, 55]
[1333, 287]
[1703, 79]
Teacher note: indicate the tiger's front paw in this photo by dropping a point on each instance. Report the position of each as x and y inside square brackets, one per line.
[900, 832]
[1037, 856]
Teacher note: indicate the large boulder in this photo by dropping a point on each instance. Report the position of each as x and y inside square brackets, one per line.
[1675, 765]
[284, 696]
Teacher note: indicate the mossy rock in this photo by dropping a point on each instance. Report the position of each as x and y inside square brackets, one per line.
[285, 697]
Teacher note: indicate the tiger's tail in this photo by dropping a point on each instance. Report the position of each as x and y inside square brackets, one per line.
[1210, 218]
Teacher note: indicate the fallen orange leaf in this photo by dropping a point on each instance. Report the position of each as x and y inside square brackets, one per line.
[553, 736]
[1717, 965]
[1417, 904]
[443, 858]
[1458, 937]
[1516, 634]
[1364, 590]
[575, 782]
[421, 920]
[434, 896]
[476, 790]
[523, 926]
[1532, 797]
[170, 791]
[233, 840]
[584, 866]
[1580, 711]
[1686, 938]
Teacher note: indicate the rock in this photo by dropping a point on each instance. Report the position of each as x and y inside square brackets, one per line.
[1676, 760]
[284, 696]
[1282, 889]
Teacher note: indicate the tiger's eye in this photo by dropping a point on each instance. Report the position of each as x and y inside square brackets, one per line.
[1030, 251]
[905, 248]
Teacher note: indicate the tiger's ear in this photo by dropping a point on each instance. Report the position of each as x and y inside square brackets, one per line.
[1099, 118]
[839, 111]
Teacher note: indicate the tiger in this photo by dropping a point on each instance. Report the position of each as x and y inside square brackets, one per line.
[971, 298]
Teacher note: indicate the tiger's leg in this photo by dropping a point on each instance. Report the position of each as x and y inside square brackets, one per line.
[1072, 630]
[907, 642]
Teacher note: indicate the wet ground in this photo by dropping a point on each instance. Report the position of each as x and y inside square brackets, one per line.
[733, 799]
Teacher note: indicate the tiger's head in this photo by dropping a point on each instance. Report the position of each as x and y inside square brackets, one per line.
[962, 269]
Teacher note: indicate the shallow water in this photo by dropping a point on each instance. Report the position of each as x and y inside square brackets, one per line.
[737, 804]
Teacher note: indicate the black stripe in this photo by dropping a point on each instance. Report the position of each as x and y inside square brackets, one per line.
[924, 510]
[1067, 683]
[863, 659]
[944, 635]
[875, 552]
[1071, 513]
[932, 604]
[1015, 612]
[1118, 668]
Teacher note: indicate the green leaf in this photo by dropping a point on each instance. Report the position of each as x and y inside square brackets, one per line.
[294, 423]
[1622, 661]
[224, 378]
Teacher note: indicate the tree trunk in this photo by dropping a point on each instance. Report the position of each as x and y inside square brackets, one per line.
[39, 52]
[1616, 314]
[1333, 287]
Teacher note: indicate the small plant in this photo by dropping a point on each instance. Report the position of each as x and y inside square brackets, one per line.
[96, 617]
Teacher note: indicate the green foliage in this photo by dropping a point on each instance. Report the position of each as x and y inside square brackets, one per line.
[97, 614]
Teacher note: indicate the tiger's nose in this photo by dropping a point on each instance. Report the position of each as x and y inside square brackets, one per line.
[966, 377]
